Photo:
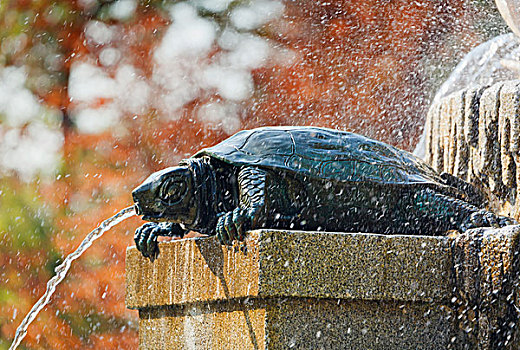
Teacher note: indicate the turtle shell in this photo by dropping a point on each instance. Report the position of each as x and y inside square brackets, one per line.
[323, 153]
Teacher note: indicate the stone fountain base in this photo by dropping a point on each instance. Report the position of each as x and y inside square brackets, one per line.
[307, 290]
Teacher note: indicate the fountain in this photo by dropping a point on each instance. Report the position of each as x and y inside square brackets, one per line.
[297, 289]
[301, 289]
[472, 128]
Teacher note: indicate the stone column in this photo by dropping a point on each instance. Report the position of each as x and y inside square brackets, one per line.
[475, 134]
[308, 290]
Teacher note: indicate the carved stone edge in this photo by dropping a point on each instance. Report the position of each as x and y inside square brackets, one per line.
[275, 263]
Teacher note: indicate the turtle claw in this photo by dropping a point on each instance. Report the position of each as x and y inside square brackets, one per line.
[232, 225]
[484, 218]
[146, 240]
[221, 231]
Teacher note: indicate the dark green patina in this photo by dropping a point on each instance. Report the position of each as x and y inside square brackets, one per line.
[304, 178]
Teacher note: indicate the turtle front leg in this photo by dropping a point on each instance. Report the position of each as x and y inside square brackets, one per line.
[146, 236]
[450, 213]
[233, 225]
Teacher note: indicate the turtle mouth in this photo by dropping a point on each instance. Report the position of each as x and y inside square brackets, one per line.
[149, 216]
[154, 217]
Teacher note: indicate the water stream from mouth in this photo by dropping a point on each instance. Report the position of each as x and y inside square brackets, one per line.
[63, 268]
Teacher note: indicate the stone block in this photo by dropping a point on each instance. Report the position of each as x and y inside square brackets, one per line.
[318, 290]
[292, 264]
[229, 324]
[289, 289]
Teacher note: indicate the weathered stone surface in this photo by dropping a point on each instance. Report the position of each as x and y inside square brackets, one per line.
[297, 264]
[233, 324]
[191, 270]
[284, 289]
[309, 290]
[486, 154]
[475, 134]
[299, 323]
[340, 324]
[487, 270]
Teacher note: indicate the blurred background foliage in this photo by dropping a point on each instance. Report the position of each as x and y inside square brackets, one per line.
[96, 94]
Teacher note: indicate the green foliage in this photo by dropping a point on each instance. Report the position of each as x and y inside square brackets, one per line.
[25, 220]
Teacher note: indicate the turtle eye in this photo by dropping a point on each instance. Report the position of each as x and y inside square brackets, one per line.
[172, 191]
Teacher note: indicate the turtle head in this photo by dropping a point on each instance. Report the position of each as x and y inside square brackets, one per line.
[167, 195]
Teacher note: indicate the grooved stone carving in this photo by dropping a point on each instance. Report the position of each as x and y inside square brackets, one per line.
[475, 134]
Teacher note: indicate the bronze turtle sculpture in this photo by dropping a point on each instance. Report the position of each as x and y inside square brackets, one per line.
[304, 178]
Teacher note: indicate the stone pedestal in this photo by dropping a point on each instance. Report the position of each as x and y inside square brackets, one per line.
[308, 290]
